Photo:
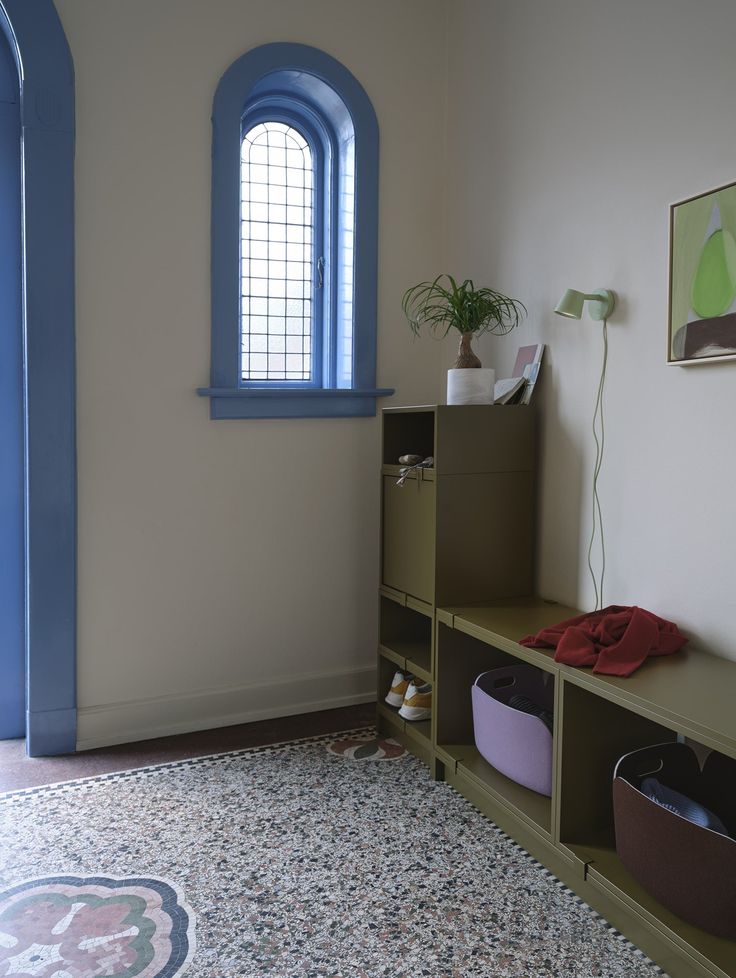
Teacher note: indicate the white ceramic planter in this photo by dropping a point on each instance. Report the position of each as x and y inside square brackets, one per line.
[470, 385]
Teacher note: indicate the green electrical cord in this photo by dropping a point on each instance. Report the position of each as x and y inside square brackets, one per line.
[598, 424]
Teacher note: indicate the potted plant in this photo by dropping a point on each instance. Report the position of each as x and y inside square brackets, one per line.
[443, 306]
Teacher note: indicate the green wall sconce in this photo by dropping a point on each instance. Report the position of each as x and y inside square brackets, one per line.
[601, 302]
[600, 306]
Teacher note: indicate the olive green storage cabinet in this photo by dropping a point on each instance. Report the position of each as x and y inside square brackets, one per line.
[461, 531]
[456, 575]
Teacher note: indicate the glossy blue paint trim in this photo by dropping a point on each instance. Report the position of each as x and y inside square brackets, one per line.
[47, 119]
[229, 403]
[51, 732]
[298, 407]
[271, 392]
[9, 79]
[305, 73]
[12, 557]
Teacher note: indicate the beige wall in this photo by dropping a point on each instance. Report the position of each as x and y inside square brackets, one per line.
[226, 569]
[573, 126]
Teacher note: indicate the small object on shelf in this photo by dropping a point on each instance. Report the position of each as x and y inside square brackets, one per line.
[444, 304]
[472, 311]
[675, 801]
[426, 463]
[470, 386]
[410, 459]
[528, 362]
[399, 686]
[688, 868]
[615, 641]
[523, 703]
[531, 375]
[516, 743]
[417, 703]
[509, 391]
[518, 388]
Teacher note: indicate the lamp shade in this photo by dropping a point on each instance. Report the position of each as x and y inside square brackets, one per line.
[571, 304]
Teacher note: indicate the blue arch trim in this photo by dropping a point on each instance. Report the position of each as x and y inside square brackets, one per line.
[311, 75]
[47, 121]
[12, 559]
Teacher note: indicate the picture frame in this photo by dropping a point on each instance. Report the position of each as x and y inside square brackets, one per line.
[702, 278]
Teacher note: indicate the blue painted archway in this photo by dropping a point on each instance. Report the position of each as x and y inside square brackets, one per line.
[46, 76]
[12, 563]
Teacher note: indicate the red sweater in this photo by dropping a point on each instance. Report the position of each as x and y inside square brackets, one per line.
[615, 641]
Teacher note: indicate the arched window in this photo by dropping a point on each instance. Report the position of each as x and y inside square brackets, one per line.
[294, 239]
[280, 257]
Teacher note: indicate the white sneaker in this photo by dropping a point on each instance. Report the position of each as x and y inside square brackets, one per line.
[399, 686]
[417, 703]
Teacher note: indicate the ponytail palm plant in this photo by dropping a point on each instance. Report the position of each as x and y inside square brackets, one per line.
[444, 305]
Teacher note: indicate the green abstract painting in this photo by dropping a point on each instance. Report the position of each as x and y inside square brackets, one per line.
[702, 321]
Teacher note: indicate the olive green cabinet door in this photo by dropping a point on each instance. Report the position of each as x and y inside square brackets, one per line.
[409, 537]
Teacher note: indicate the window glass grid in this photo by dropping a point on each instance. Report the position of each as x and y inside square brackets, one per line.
[277, 241]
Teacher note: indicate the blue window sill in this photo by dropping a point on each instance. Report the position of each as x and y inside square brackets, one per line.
[227, 402]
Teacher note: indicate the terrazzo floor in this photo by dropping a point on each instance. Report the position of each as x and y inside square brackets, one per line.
[336, 857]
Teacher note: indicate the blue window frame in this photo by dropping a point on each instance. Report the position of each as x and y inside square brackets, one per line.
[294, 247]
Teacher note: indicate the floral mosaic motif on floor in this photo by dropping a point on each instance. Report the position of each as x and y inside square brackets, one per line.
[88, 926]
[376, 749]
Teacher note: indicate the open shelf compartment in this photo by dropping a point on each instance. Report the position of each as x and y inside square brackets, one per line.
[419, 731]
[460, 659]
[408, 432]
[405, 638]
[389, 719]
[596, 733]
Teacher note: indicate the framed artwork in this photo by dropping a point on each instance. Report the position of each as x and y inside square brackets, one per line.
[702, 303]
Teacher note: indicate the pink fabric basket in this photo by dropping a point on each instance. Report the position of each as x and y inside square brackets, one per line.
[517, 744]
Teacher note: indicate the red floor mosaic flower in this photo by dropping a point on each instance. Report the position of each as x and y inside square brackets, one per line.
[90, 927]
[367, 750]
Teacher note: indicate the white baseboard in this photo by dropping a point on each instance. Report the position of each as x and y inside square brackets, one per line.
[162, 716]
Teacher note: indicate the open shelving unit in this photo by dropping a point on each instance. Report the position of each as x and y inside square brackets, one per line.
[437, 545]
[598, 719]
[451, 608]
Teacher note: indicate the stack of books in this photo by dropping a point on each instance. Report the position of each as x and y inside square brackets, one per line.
[518, 388]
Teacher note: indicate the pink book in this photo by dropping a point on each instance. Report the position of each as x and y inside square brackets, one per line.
[526, 356]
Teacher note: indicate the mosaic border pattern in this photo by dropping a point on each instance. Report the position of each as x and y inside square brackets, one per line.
[9, 797]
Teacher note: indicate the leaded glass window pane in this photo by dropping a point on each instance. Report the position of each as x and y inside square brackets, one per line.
[277, 243]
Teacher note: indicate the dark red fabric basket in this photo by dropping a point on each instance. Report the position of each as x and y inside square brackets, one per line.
[689, 869]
